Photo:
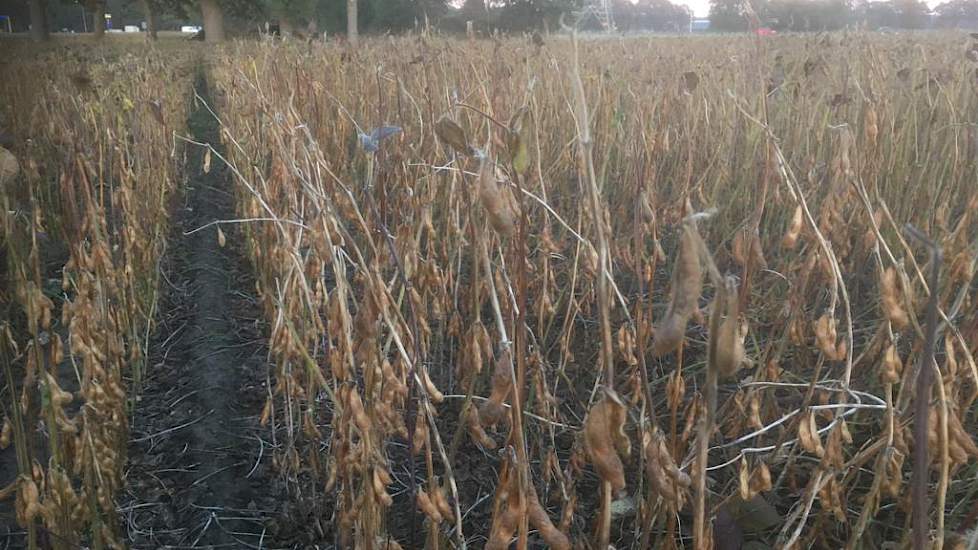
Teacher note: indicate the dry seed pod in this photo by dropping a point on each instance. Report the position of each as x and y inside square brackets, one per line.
[506, 515]
[28, 503]
[675, 389]
[356, 408]
[495, 199]
[475, 429]
[669, 334]
[429, 386]
[960, 436]
[58, 350]
[441, 502]
[831, 499]
[6, 433]
[743, 480]
[890, 298]
[58, 397]
[548, 532]
[833, 457]
[961, 448]
[428, 507]
[493, 411]
[665, 477]
[687, 284]
[808, 435]
[266, 413]
[221, 239]
[9, 167]
[871, 126]
[869, 238]
[760, 479]
[420, 434]
[604, 432]
[380, 480]
[757, 252]
[738, 249]
[645, 203]
[826, 338]
[730, 356]
[892, 366]
[893, 472]
[961, 267]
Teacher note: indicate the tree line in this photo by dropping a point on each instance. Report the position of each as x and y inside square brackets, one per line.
[350, 17]
[828, 15]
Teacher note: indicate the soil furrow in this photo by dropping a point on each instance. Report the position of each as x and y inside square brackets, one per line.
[198, 465]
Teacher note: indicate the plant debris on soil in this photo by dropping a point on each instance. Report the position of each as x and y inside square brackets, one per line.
[200, 466]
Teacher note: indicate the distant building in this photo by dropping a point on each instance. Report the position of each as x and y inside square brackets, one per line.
[700, 25]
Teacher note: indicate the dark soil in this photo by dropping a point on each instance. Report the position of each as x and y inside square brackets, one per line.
[200, 473]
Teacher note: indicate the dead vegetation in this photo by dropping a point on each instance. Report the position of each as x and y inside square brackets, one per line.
[661, 290]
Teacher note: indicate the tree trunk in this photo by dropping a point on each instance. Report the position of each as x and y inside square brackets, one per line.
[150, 15]
[352, 36]
[285, 26]
[213, 20]
[98, 19]
[39, 21]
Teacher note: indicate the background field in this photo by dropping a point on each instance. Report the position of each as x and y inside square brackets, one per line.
[646, 292]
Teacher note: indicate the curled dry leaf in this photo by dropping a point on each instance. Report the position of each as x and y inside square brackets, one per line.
[604, 439]
[451, 133]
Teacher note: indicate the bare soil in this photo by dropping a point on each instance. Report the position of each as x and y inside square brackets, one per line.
[200, 472]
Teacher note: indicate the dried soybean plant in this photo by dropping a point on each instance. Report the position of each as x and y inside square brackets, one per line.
[452, 290]
[97, 175]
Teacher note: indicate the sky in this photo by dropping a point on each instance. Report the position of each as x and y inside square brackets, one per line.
[701, 8]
